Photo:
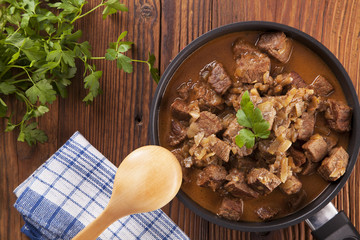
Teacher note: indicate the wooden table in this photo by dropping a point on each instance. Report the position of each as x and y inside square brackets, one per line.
[117, 122]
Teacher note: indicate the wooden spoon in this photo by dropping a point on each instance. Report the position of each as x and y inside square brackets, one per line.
[146, 180]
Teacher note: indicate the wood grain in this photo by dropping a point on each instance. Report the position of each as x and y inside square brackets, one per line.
[118, 120]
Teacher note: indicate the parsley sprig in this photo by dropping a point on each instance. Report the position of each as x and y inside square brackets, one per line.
[255, 126]
[38, 49]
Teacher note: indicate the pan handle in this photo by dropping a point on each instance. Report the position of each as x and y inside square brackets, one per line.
[329, 224]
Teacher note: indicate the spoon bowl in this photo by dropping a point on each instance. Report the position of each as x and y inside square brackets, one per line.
[146, 180]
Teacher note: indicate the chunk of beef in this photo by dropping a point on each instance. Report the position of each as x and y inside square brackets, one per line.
[334, 166]
[207, 122]
[237, 185]
[266, 212]
[277, 45]
[309, 167]
[297, 200]
[331, 142]
[230, 134]
[219, 79]
[206, 96]
[299, 158]
[268, 111]
[292, 185]
[244, 164]
[180, 110]
[316, 148]
[184, 89]
[307, 126]
[263, 150]
[231, 208]
[251, 67]
[179, 154]
[297, 82]
[232, 130]
[241, 47]
[185, 162]
[233, 100]
[212, 176]
[318, 104]
[321, 86]
[177, 133]
[262, 180]
[338, 116]
[220, 148]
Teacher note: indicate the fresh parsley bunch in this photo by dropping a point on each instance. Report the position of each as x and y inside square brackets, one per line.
[251, 118]
[38, 49]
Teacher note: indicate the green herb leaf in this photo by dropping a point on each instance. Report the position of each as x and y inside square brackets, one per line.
[245, 137]
[111, 54]
[112, 7]
[92, 83]
[15, 57]
[43, 91]
[242, 119]
[153, 71]
[41, 110]
[7, 88]
[31, 134]
[125, 63]
[124, 47]
[251, 118]
[3, 108]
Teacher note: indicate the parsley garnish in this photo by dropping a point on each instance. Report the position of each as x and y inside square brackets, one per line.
[251, 118]
[38, 49]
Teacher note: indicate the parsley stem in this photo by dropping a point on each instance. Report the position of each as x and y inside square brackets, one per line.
[83, 15]
[141, 61]
[19, 81]
[29, 76]
[97, 58]
[29, 105]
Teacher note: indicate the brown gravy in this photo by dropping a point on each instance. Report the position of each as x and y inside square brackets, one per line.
[305, 62]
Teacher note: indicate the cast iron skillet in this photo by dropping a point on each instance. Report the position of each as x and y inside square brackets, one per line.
[332, 190]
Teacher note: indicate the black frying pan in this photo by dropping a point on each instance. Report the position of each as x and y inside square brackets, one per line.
[320, 214]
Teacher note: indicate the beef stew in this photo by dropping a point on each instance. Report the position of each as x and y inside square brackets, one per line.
[304, 121]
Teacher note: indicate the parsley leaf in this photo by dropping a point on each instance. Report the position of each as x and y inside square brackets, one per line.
[7, 88]
[3, 108]
[255, 125]
[153, 71]
[31, 134]
[124, 62]
[113, 6]
[92, 83]
[41, 90]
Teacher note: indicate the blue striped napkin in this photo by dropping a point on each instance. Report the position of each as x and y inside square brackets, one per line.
[73, 187]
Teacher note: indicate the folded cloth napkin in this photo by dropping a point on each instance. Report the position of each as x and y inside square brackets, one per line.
[71, 188]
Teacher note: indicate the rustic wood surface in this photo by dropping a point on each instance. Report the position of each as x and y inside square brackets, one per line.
[118, 120]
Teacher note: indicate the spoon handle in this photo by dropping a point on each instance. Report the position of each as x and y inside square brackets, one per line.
[96, 227]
